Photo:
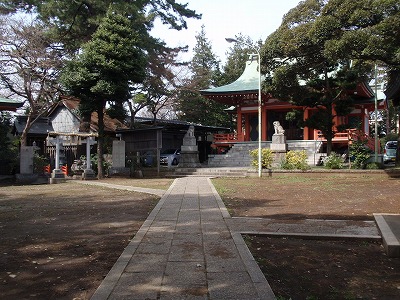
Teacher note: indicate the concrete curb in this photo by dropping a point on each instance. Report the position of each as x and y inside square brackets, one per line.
[390, 241]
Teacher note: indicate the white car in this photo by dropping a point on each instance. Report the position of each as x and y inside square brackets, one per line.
[170, 157]
[390, 152]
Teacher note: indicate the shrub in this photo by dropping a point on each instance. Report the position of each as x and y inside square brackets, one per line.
[360, 153]
[373, 166]
[267, 158]
[295, 160]
[333, 161]
[39, 162]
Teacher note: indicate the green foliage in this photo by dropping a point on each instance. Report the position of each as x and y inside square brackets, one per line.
[94, 159]
[333, 161]
[110, 63]
[267, 157]
[236, 59]
[324, 48]
[8, 149]
[360, 154]
[389, 137]
[39, 162]
[193, 106]
[73, 23]
[295, 160]
[373, 166]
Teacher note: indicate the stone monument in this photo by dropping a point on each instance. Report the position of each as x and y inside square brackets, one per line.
[26, 174]
[118, 160]
[189, 151]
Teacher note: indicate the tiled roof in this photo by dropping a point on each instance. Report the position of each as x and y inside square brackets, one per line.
[41, 126]
[10, 104]
[247, 82]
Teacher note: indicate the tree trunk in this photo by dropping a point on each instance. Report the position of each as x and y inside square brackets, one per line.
[328, 145]
[100, 143]
[24, 133]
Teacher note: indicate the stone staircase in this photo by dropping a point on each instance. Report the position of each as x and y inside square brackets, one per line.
[238, 155]
[211, 172]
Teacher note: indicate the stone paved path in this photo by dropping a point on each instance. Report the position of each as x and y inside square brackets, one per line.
[185, 250]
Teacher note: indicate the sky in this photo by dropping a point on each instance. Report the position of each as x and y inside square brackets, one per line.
[227, 18]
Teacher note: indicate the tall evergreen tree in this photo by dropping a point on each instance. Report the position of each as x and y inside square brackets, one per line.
[74, 22]
[106, 69]
[204, 67]
[324, 48]
[237, 56]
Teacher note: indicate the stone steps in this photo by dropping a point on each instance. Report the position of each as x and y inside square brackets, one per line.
[210, 172]
[238, 155]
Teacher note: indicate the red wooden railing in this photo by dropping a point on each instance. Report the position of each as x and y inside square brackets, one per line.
[220, 138]
[352, 135]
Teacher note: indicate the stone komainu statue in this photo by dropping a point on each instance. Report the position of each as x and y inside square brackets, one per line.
[278, 128]
[190, 132]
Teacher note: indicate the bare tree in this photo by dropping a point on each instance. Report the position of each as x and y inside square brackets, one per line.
[29, 67]
[158, 92]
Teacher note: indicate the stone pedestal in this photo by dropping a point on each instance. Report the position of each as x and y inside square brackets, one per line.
[279, 143]
[189, 151]
[118, 160]
[57, 176]
[123, 172]
[279, 148]
[88, 174]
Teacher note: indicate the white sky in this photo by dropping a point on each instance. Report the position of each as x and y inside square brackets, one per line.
[227, 18]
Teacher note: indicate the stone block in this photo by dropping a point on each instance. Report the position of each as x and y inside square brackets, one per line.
[119, 171]
[192, 148]
[278, 139]
[88, 174]
[26, 160]
[278, 147]
[118, 154]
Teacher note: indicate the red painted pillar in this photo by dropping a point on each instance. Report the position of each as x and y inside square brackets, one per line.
[305, 129]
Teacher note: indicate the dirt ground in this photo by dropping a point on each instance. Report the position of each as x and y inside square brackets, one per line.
[319, 269]
[59, 241]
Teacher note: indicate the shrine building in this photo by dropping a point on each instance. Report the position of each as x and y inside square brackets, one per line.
[242, 97]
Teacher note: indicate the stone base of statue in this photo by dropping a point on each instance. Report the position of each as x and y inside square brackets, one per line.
[279, 143]
[88, 174]
[57, 176]
[26, 178]
[119, 172]
[189, 160]
[189, 151]
[279, 148]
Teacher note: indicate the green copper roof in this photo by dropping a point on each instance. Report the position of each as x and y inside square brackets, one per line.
[10, 103]
[247, 82]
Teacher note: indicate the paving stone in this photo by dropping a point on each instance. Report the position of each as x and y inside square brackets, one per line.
[231, 285]
[146, 285]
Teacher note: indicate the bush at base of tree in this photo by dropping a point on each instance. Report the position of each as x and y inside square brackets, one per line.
[333, 161]
[267, 158]
[360, 153]
[295, 160]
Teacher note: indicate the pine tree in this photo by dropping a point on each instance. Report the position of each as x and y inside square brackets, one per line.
[204, 67]
[105, 71]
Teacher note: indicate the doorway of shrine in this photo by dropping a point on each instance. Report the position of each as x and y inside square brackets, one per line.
[289, 119]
